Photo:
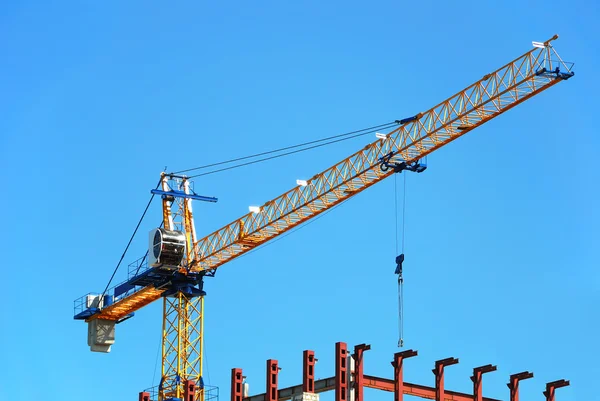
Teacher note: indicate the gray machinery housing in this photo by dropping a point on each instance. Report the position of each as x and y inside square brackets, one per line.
[166, 248]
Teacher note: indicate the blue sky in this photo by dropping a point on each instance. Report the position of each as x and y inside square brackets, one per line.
[501, 230]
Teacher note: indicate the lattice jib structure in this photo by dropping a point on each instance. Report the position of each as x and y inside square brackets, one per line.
[489, 97]
[415, 137]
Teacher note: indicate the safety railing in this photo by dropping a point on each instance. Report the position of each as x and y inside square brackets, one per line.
[84, 307]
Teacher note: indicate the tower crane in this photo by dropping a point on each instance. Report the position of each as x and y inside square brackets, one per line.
[178, 261]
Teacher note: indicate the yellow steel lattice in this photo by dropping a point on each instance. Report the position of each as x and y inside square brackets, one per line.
[181, 345]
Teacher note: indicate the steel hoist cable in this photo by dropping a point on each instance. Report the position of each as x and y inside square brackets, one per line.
[400, 258]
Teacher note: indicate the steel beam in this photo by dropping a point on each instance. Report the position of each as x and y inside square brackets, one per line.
[374, 382]
[513, 384]
[144, 396]
[287, 393]
[237, 384]
[417, 390]
[341, 371]
[438, 371]
[398, 365]
[477, 380]
[308, 371]
[359, 371]
[181, 194]
[272, 376]
[552, 386]
[189, 390]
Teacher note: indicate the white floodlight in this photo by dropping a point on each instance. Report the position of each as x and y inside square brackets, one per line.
[538, 44]
[254, 209]
[302, 183]
[380, 135]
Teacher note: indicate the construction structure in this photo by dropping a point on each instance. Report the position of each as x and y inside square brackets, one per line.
[350, 380]
[178, 261]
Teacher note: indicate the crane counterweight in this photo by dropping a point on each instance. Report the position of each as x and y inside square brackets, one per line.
[166, 248]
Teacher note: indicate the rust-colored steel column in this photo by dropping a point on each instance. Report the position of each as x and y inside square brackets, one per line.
[359, 381]
[237, 384]
[341, 371]
[272, 373]
[189, 390]
[513, 384]
[477, 379]
[398, 363]
[438, 371]
[552, 386]
[144, 396]
[308, 372]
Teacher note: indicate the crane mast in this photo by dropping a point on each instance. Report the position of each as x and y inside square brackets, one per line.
[183, 305]
[181, 286]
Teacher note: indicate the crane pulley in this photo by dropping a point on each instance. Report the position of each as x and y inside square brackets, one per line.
[417, 166]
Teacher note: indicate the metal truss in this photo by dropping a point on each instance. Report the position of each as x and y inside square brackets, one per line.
[181, 346]
[495, 93]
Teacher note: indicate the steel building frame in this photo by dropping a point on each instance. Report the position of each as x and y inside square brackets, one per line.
[350, 380]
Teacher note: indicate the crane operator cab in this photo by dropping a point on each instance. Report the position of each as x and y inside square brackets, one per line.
[166, 248]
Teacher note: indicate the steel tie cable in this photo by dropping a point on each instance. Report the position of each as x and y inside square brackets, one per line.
[386, 125]
[281, 155]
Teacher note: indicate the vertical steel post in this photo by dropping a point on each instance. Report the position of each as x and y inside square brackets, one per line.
[359, 380]
[398, 363]
[237, 392]
[477, 380]
[552, 386]
[513, 384]
[190, 227]
[272, 373]
[341, 371]
[189, 390]
[308, 371]
[438, 371]
[166, 202]
[144, 396]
